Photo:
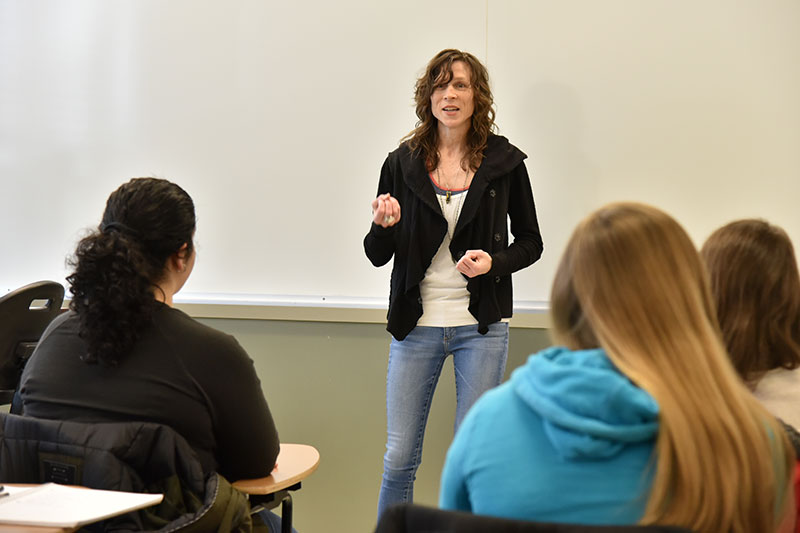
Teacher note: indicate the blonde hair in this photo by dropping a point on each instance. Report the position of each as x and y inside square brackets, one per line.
[632, 282]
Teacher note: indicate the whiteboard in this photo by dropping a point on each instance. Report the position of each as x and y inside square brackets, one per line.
[276, 118]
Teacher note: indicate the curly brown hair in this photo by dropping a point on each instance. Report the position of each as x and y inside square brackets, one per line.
[423, 140]
[117, 266]
[756, 285]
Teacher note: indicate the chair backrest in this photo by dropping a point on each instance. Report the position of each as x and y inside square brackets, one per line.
[128, 456]
[407, 518]
[24, 315]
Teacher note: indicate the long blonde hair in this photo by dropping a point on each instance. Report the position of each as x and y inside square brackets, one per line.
[632, 282]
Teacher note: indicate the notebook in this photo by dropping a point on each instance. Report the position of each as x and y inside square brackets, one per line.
[64, 506]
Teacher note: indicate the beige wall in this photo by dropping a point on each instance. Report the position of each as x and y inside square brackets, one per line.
[277, 116]
[325, 387]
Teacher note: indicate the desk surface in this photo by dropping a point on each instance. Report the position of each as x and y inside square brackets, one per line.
[295, 463]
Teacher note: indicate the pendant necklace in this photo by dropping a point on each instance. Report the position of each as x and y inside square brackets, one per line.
[448, 192]
[447, 195]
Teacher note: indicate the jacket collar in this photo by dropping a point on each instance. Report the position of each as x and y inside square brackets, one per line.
[500, 158]
[416, 177]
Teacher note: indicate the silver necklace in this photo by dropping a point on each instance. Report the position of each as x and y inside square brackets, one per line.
[449, 192]
[446, 199]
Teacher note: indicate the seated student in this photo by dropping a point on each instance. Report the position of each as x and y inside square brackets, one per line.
[638, 417]
[756, 286]
[123, 353]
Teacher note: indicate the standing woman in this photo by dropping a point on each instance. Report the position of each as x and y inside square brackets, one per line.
[444, 200]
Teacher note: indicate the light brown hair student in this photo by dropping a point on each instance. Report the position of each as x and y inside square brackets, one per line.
[632, 282]
[756, 286]
[636, 415]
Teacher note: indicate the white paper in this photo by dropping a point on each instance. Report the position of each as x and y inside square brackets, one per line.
[62, 506]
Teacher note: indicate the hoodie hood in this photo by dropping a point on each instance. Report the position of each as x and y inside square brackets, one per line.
[589, 408]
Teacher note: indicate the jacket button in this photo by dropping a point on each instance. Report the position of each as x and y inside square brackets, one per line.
[497, 279]
[419, 300]
[492, 193]
[460, 254]
[497, 237]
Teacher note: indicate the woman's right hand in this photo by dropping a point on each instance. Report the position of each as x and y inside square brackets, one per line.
[385, 210]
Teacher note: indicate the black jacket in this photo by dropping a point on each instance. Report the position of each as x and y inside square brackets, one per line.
[129, 456]
[500, 189]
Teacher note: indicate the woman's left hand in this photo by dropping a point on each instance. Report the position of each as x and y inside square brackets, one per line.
[474, 263]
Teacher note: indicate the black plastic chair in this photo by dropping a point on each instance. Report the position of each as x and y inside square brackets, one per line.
[408, 518]
[24, 315]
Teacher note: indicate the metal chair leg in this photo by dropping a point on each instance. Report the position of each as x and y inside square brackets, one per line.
[286, 514]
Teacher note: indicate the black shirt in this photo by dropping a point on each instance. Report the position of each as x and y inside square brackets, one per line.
[180, 373]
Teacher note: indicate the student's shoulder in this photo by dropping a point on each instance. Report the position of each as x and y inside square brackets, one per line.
[492, 406]
[186, 331]
[497, 398]
[66, 318]
[65, 323]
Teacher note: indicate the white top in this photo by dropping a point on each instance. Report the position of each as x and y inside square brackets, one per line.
[779, 392]
[444, 289]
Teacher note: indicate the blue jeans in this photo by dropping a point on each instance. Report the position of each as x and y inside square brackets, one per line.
[415, 364]
[272, 521]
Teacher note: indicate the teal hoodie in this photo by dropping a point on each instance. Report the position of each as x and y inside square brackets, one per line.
[567, 439]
